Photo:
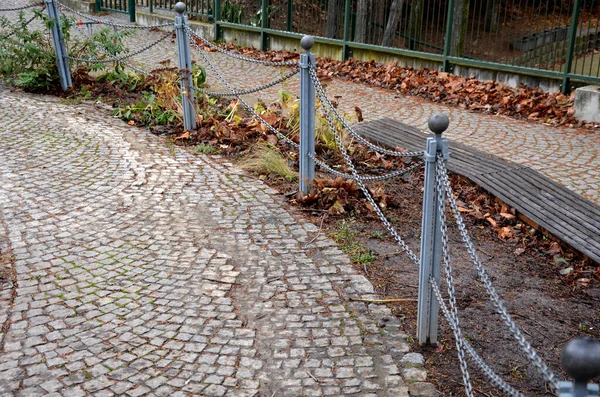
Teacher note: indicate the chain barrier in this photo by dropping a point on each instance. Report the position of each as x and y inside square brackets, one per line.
[249, 91]
[324, 99]
[111, 23]
[21, 8]
[533, 357]
[458, 337]
[24, 25]
[116, 59]
[319, 162]
[130, 55]
[237, 56]
[494, 378]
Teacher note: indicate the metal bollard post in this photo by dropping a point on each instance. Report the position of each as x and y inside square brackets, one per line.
[307, 117]
[580, 358]
[60, 50]
[185, 66]
[431, 238]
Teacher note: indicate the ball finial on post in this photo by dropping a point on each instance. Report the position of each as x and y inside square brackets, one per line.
[438, 123]
[180, 7]
[307, 43]
[580, 358]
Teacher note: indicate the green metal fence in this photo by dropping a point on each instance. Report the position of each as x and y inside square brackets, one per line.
[203, 8]
[556, 39]
[122, 6]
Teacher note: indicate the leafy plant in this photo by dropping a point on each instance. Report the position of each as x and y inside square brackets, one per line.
[27, 57]
[108, 43]
[148, 111]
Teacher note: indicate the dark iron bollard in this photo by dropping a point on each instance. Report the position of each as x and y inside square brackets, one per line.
[580, 358]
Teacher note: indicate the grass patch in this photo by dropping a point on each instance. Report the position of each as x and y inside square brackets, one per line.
[266, 159]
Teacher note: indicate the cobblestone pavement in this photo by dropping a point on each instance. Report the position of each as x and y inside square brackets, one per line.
[144, 270]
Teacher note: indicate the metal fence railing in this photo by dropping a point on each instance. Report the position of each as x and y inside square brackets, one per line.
[122, 6]
[558, 39]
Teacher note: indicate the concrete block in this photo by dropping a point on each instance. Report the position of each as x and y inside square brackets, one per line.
[587, 103]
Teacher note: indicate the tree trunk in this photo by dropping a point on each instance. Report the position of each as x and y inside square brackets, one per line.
[415, 25]
[492, 16]
[392, 23]
[459, 27]
[333, 12]
[362, 14]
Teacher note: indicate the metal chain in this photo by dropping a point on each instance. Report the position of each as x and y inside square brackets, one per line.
[441, 206]
[376, 178]
[366, 192]
[494, 378]
[135, 69]
[25, 24]
[326, 101]
[548, 375]
[130, 55]
[111, 23]
[249, 91]
[237, 56]
[291, 142]
[21, 8]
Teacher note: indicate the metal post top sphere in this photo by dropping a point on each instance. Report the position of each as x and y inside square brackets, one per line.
[438, 123]
[581, 359]
[180, 7]
[307, 42]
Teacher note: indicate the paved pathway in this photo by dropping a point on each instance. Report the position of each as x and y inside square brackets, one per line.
[143, 270]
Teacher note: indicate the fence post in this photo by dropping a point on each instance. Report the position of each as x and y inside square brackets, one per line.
[62, 63]
[131, 9]
[446, 66]
[346, 53]
[431, 237]
[217, 18]
[289, 18]
[307, 117]
[580, 358]
[566, 82]
[98, 6]
[264, 24]
[185, 66]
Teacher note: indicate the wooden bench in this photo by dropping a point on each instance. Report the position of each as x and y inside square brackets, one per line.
[565, 214]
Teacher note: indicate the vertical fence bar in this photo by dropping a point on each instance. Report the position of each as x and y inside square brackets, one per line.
[62, 63]
[185, 66]
[566, 83]
[290, 9]
[446, 66]
[347, 25]
[431, 239]
[98, 5]
[307, 117]
[131, 9]
[217, 18]
[264, 24]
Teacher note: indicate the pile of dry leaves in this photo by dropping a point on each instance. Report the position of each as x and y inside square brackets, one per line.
[469, 93]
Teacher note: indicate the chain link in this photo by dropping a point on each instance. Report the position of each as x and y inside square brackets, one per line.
[249, 91]
[548, 375]
[21, 8]
[237, 56]
[130, 55]
[441, 207]
[376, 178]
[326, 101]
[494, 378]
[135, 69]
[111, 23]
